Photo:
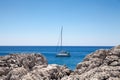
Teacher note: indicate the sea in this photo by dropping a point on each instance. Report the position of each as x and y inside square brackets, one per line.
[78, 53]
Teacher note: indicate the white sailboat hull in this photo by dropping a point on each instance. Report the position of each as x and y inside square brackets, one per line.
[63, 54]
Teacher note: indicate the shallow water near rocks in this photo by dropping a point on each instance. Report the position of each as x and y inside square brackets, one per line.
[77, 53]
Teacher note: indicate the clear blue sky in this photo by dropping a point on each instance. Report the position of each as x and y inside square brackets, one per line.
[38, 22]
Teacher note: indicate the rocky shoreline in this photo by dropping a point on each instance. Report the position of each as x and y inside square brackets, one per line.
[99, 65]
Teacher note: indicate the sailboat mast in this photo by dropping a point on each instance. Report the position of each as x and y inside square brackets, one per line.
[61, 36]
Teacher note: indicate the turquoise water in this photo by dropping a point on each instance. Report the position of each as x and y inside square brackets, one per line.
[77, 53]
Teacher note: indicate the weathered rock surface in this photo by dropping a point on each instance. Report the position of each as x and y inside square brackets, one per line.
[30, 67]
[51, 72]
[100, 65]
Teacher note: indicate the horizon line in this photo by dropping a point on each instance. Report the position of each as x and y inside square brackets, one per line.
[58, 46]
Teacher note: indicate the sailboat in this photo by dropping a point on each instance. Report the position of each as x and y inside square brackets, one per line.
[62, 53]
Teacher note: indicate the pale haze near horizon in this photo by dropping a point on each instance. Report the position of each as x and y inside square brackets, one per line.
[38, 22]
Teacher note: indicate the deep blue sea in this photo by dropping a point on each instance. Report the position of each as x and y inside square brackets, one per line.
[77, 53]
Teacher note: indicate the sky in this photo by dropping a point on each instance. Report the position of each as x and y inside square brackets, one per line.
[38, 22]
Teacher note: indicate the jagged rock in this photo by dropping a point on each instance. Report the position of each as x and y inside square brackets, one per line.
[26, 60]
[16, 73]
[4, 70]
[100, 65]
[50, 72]
[30, 67]
[14, 66]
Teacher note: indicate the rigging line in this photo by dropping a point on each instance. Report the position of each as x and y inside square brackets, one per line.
[58, 42]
